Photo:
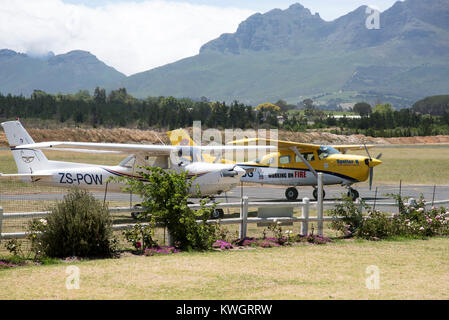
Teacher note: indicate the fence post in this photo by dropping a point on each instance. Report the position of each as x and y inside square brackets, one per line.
[1, 220]
[244, 217]
[359, 204]
[305, 215]
[170, 241]
[320, 204]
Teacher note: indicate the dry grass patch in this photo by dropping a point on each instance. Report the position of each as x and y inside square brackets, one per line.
[423, 165]
[414, 269]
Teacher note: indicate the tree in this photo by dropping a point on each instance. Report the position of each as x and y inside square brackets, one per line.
[83, 95]
[119, 95]
[165, 196]
[362, 108]
[284, 105]
[268, 107]
[383, 108]
[435, 105]
[308, 103]
[100, 95]
[269, 113]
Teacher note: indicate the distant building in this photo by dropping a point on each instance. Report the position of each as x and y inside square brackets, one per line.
[347, 106]
[344, 116]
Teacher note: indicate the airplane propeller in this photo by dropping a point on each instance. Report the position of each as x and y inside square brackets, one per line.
[371, 168]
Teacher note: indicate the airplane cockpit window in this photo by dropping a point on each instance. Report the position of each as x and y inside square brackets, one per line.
[309, 156]
[271, 160]
[128, 162]
[326, 151]
[161, 162]
[284, 159]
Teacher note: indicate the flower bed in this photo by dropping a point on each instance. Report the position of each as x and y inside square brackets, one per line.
[6, 265]
[270, 242]
[160, 250]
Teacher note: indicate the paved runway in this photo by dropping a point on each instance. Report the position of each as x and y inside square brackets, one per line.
[272, 193]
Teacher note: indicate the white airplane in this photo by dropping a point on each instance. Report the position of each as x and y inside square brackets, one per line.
[34, 167]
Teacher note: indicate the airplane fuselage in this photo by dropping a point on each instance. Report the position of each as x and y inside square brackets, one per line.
[97, 178]
[286, 169]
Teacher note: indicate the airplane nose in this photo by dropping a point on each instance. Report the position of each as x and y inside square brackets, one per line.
[232, 172]
[374, 162]
[241, 171]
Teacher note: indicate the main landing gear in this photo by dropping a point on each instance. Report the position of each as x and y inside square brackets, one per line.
[292, 194]
[218, 213]
[315, 194]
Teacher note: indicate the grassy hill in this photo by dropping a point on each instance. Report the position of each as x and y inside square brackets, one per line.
[65, 73]
[290, 54]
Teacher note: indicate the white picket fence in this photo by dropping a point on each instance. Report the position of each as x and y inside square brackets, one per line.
[306, 205]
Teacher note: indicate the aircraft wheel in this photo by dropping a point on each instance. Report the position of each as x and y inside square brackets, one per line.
[315, 194]
[291, 194]
[354, 194]
[136, 214]
[217, 214]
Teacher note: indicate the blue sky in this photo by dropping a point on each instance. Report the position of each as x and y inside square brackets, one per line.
[138, 35]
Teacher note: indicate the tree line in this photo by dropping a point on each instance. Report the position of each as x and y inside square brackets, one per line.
[120, 109]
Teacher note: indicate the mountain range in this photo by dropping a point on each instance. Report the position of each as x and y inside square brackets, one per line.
[282, 54]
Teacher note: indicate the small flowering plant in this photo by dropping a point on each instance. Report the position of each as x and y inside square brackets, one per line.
[14, 246]
[414, 219]
[222, 245]
[36, 228]
[141, 236]
[6, 265]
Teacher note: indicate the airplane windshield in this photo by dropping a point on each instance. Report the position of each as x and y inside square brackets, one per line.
[326, 151]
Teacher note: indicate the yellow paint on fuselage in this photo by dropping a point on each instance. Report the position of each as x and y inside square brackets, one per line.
[353, 167]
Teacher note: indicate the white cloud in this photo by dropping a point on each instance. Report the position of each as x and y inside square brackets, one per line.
[132, 36]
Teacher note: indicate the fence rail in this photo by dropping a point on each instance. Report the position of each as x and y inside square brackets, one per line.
[243, 220]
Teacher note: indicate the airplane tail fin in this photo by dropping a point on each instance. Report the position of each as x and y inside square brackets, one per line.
[180, 137]
[27, 160]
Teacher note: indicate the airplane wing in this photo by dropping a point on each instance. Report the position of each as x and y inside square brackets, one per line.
[83, 150]
[119, 147]
[344, 148]
[16, 176]
[280, 144]
[302, 147]
[134, 148]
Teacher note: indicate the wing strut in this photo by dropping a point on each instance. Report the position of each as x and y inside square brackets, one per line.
[300, 156]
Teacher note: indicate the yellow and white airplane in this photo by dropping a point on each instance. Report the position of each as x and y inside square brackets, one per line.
[297, 164]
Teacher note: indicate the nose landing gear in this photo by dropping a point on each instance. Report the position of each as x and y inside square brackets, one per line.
[353, 194]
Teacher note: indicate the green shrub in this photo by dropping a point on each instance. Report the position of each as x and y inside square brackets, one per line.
[165, 196]
[79, 226]
[352, 216]
[412, 220]
[377, 225]
[374, 225]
